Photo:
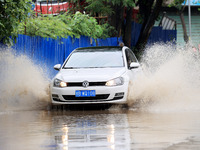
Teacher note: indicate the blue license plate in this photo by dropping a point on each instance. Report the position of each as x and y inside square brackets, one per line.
[85, 93]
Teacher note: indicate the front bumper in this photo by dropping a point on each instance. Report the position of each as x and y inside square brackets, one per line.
[104, 94]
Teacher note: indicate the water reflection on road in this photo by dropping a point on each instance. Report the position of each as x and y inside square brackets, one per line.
[91, 130]
[99, 130]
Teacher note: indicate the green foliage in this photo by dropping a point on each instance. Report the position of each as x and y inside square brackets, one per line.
[12, 12]
[104, 6]
[177, 4]
[124, 3]
[98, 6]
[64, 25]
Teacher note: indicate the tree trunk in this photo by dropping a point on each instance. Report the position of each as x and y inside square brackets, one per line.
[128, 24]
[147, 26]
[116, 19]
[185, 36]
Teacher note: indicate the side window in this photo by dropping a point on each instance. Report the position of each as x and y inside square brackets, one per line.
[130, 57]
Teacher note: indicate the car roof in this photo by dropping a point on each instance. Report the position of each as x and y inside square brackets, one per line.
[100, 48]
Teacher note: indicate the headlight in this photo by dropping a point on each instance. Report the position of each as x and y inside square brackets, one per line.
[115, 82]
[59, 83]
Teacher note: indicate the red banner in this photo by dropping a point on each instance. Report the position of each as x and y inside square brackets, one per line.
[51, 8]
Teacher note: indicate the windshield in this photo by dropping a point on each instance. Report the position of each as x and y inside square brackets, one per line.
[95, 59]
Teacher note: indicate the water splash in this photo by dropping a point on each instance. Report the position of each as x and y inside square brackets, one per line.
[171, 80]
[23, 85]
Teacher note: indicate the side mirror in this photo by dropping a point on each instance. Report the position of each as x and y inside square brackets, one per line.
[134, 65]
[57, 67]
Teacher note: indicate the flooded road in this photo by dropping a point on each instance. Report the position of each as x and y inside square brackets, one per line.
[162, 114]
[99, 130]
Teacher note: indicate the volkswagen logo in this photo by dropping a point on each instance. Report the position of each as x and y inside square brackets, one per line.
[85, 84]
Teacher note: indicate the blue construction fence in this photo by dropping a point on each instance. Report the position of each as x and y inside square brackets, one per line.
[157, 35]
[47, 52]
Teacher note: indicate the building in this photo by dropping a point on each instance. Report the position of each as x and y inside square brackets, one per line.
[172, 12]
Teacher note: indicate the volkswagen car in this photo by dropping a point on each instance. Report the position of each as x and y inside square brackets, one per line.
[94, 75]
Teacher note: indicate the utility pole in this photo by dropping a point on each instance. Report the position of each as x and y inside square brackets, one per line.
[189, 17]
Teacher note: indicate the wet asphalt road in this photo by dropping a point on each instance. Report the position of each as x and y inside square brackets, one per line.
[112, 129]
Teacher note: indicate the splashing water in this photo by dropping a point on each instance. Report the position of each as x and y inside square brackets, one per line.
[171, 80]
[23, 85]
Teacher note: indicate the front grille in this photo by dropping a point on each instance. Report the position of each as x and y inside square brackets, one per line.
[76, 84]
[97, 97]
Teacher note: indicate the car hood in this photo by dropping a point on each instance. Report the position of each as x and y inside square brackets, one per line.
[91, 75]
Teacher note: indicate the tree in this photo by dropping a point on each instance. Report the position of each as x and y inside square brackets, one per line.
[149, 11]
[115, 10]
[63, 25]
[12, 12]
[128, 27]
[178, 4]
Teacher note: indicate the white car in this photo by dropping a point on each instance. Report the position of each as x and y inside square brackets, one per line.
[94, 75]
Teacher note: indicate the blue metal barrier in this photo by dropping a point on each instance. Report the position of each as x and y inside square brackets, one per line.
[157, 35]
[47, 52]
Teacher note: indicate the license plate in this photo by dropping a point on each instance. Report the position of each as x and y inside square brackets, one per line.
[85, 93]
